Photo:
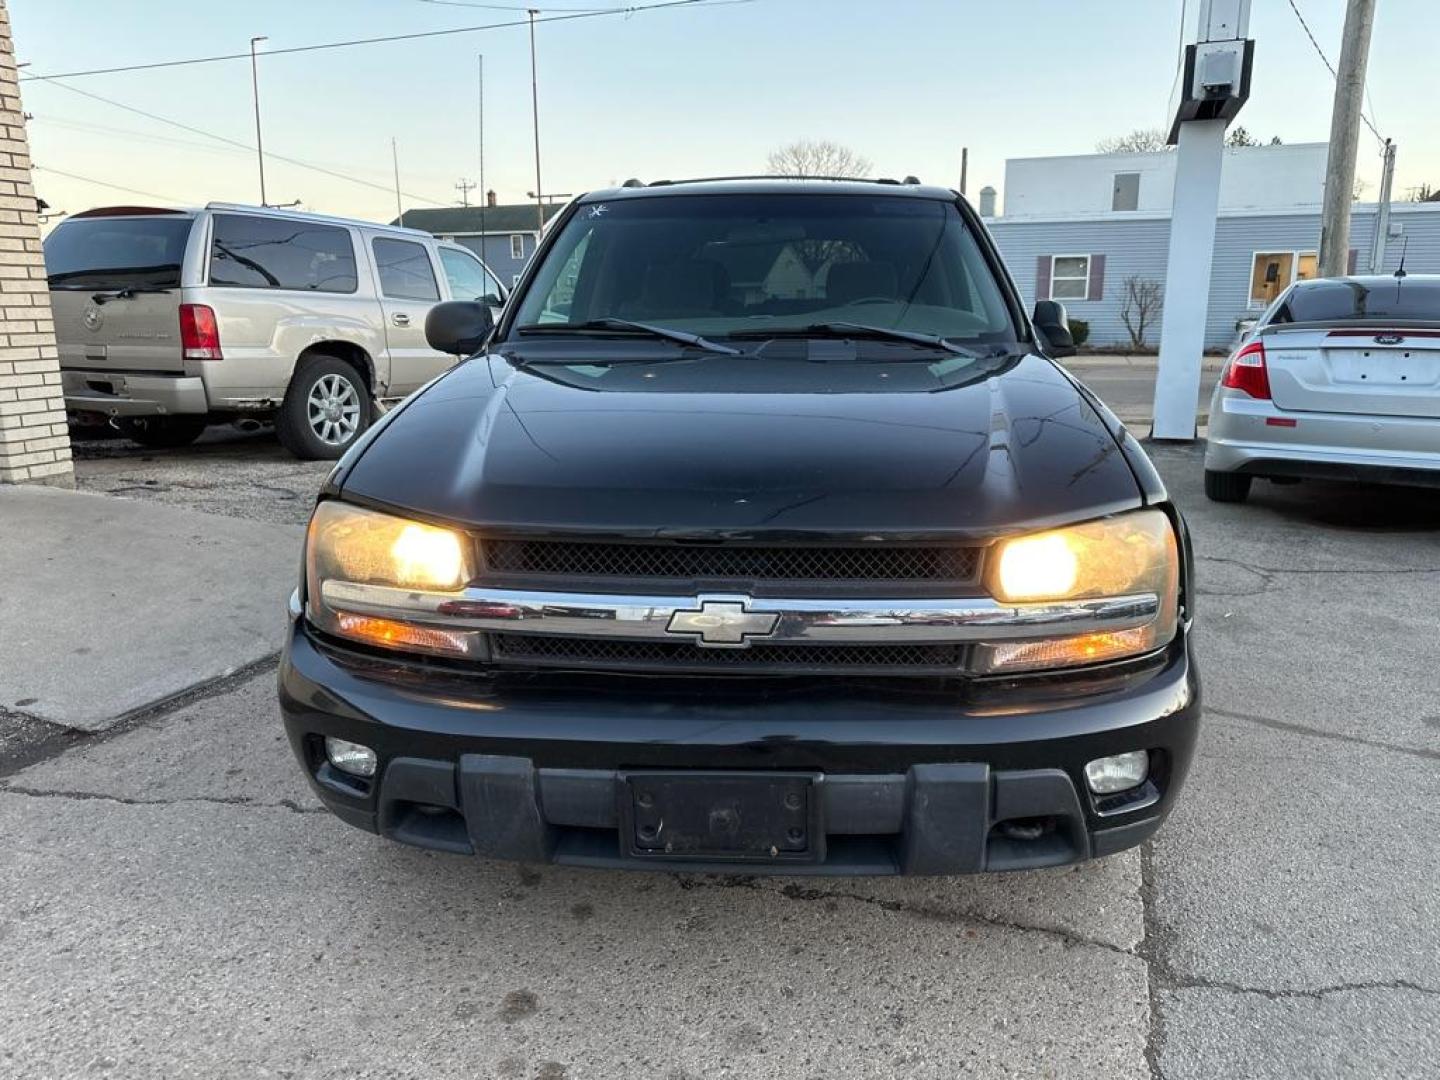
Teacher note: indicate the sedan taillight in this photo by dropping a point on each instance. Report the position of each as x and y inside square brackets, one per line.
[199, 333]
[1246, 372]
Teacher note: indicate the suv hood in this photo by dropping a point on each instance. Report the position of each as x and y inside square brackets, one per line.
[518, 450]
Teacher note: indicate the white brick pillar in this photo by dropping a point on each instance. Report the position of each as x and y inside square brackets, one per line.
[34, 442]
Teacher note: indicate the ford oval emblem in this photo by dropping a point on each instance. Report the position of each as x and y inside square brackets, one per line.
[1388, 339]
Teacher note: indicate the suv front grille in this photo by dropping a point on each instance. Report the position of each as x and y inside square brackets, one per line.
[679, 656]
[741, 563]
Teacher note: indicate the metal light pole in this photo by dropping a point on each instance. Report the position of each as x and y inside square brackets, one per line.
[255, 92]
[535, 114]
[395, 160]
[484, 191]
[1345, 138]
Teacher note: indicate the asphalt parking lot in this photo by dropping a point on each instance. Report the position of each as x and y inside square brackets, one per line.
[174, 902]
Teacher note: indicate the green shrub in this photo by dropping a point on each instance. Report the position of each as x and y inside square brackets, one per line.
[1079, 331]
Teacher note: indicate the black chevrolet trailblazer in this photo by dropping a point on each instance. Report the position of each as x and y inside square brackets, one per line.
[759, 532]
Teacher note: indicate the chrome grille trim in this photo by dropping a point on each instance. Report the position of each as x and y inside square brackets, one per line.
[809, 621]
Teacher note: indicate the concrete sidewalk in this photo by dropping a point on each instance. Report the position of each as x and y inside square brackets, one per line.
[111, 605]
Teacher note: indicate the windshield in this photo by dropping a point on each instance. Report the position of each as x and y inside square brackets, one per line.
[97, 253]
[1385, 298]
[717, 265]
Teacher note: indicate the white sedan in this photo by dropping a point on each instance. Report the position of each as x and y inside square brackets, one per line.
[1339, 380]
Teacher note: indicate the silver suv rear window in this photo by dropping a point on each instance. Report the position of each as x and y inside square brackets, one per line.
[281, 253]
[102, 253]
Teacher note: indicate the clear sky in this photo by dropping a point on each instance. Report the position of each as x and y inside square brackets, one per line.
[684, 92]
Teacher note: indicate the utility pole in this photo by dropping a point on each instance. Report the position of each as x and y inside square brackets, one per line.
[255, 93]
[395, 159]
[1382, 214]
[465, 187]
[535, 115]
[1345, 138]
[964, 166]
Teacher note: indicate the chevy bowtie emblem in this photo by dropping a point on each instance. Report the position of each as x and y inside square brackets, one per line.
[722, 623]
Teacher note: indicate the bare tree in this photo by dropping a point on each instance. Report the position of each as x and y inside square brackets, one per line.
[817, 157]
[1239, 136]
[1139, 141]
[1424, 193]
[1144, 300]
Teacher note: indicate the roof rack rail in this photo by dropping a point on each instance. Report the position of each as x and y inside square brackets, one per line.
[772, 176]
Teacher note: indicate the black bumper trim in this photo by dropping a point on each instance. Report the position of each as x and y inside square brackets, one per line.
[935, 819]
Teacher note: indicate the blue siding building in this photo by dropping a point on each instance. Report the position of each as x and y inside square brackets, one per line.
[1063, 246]
[504, 236]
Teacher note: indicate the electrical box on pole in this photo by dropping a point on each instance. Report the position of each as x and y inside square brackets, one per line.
[1215, 85]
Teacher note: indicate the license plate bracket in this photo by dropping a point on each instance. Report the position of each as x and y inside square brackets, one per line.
[722, 816]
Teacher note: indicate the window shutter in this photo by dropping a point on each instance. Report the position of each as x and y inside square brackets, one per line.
[1352, 261]
[1042, 277]
[1096, 288]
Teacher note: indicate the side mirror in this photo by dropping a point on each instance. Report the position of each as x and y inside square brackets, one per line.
[459, 327]
[1053, 326]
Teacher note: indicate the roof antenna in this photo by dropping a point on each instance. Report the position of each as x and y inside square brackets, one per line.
[1404, 247]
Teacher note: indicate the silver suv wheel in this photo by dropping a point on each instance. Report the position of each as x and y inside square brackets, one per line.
[333, 409]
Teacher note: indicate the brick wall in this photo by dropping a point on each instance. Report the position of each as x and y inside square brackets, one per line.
[34, 443]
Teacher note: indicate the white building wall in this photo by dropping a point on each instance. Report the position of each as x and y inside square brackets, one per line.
[1252, 178]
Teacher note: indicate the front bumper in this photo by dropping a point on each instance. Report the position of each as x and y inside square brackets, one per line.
[124, 394]
[1256, 438]
[905, 781]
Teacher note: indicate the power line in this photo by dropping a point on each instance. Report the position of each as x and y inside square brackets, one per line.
[514, 7]
[387, 188]
[1333, 74]
[589, 14]
[105, 184]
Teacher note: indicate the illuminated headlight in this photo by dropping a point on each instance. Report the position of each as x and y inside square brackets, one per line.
[1130, 556]
[355, 558]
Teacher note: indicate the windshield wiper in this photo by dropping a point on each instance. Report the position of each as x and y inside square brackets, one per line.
[859, 330]
[130, 292]
[626, 326]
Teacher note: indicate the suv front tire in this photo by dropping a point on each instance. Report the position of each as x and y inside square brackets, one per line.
[325, 409]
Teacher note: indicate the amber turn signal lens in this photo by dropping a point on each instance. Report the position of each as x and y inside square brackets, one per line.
[390, 634]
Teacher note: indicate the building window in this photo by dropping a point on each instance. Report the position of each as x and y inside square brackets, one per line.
[517, 245]
[1125, 194]
[1069, 277]
[1271, 273]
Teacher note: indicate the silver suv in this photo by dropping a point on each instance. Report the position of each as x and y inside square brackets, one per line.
[169, 320]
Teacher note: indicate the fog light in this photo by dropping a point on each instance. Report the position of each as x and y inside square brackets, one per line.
[1108, 775]
[350, 757]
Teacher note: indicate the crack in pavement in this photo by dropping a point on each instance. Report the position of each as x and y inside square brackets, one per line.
[1153, 949]
[1068, 938]
[1318, 733]
[1318, 993]
[1263, 570]
[124, 800]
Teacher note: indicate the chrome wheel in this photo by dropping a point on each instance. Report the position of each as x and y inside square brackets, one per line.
[333, 409]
